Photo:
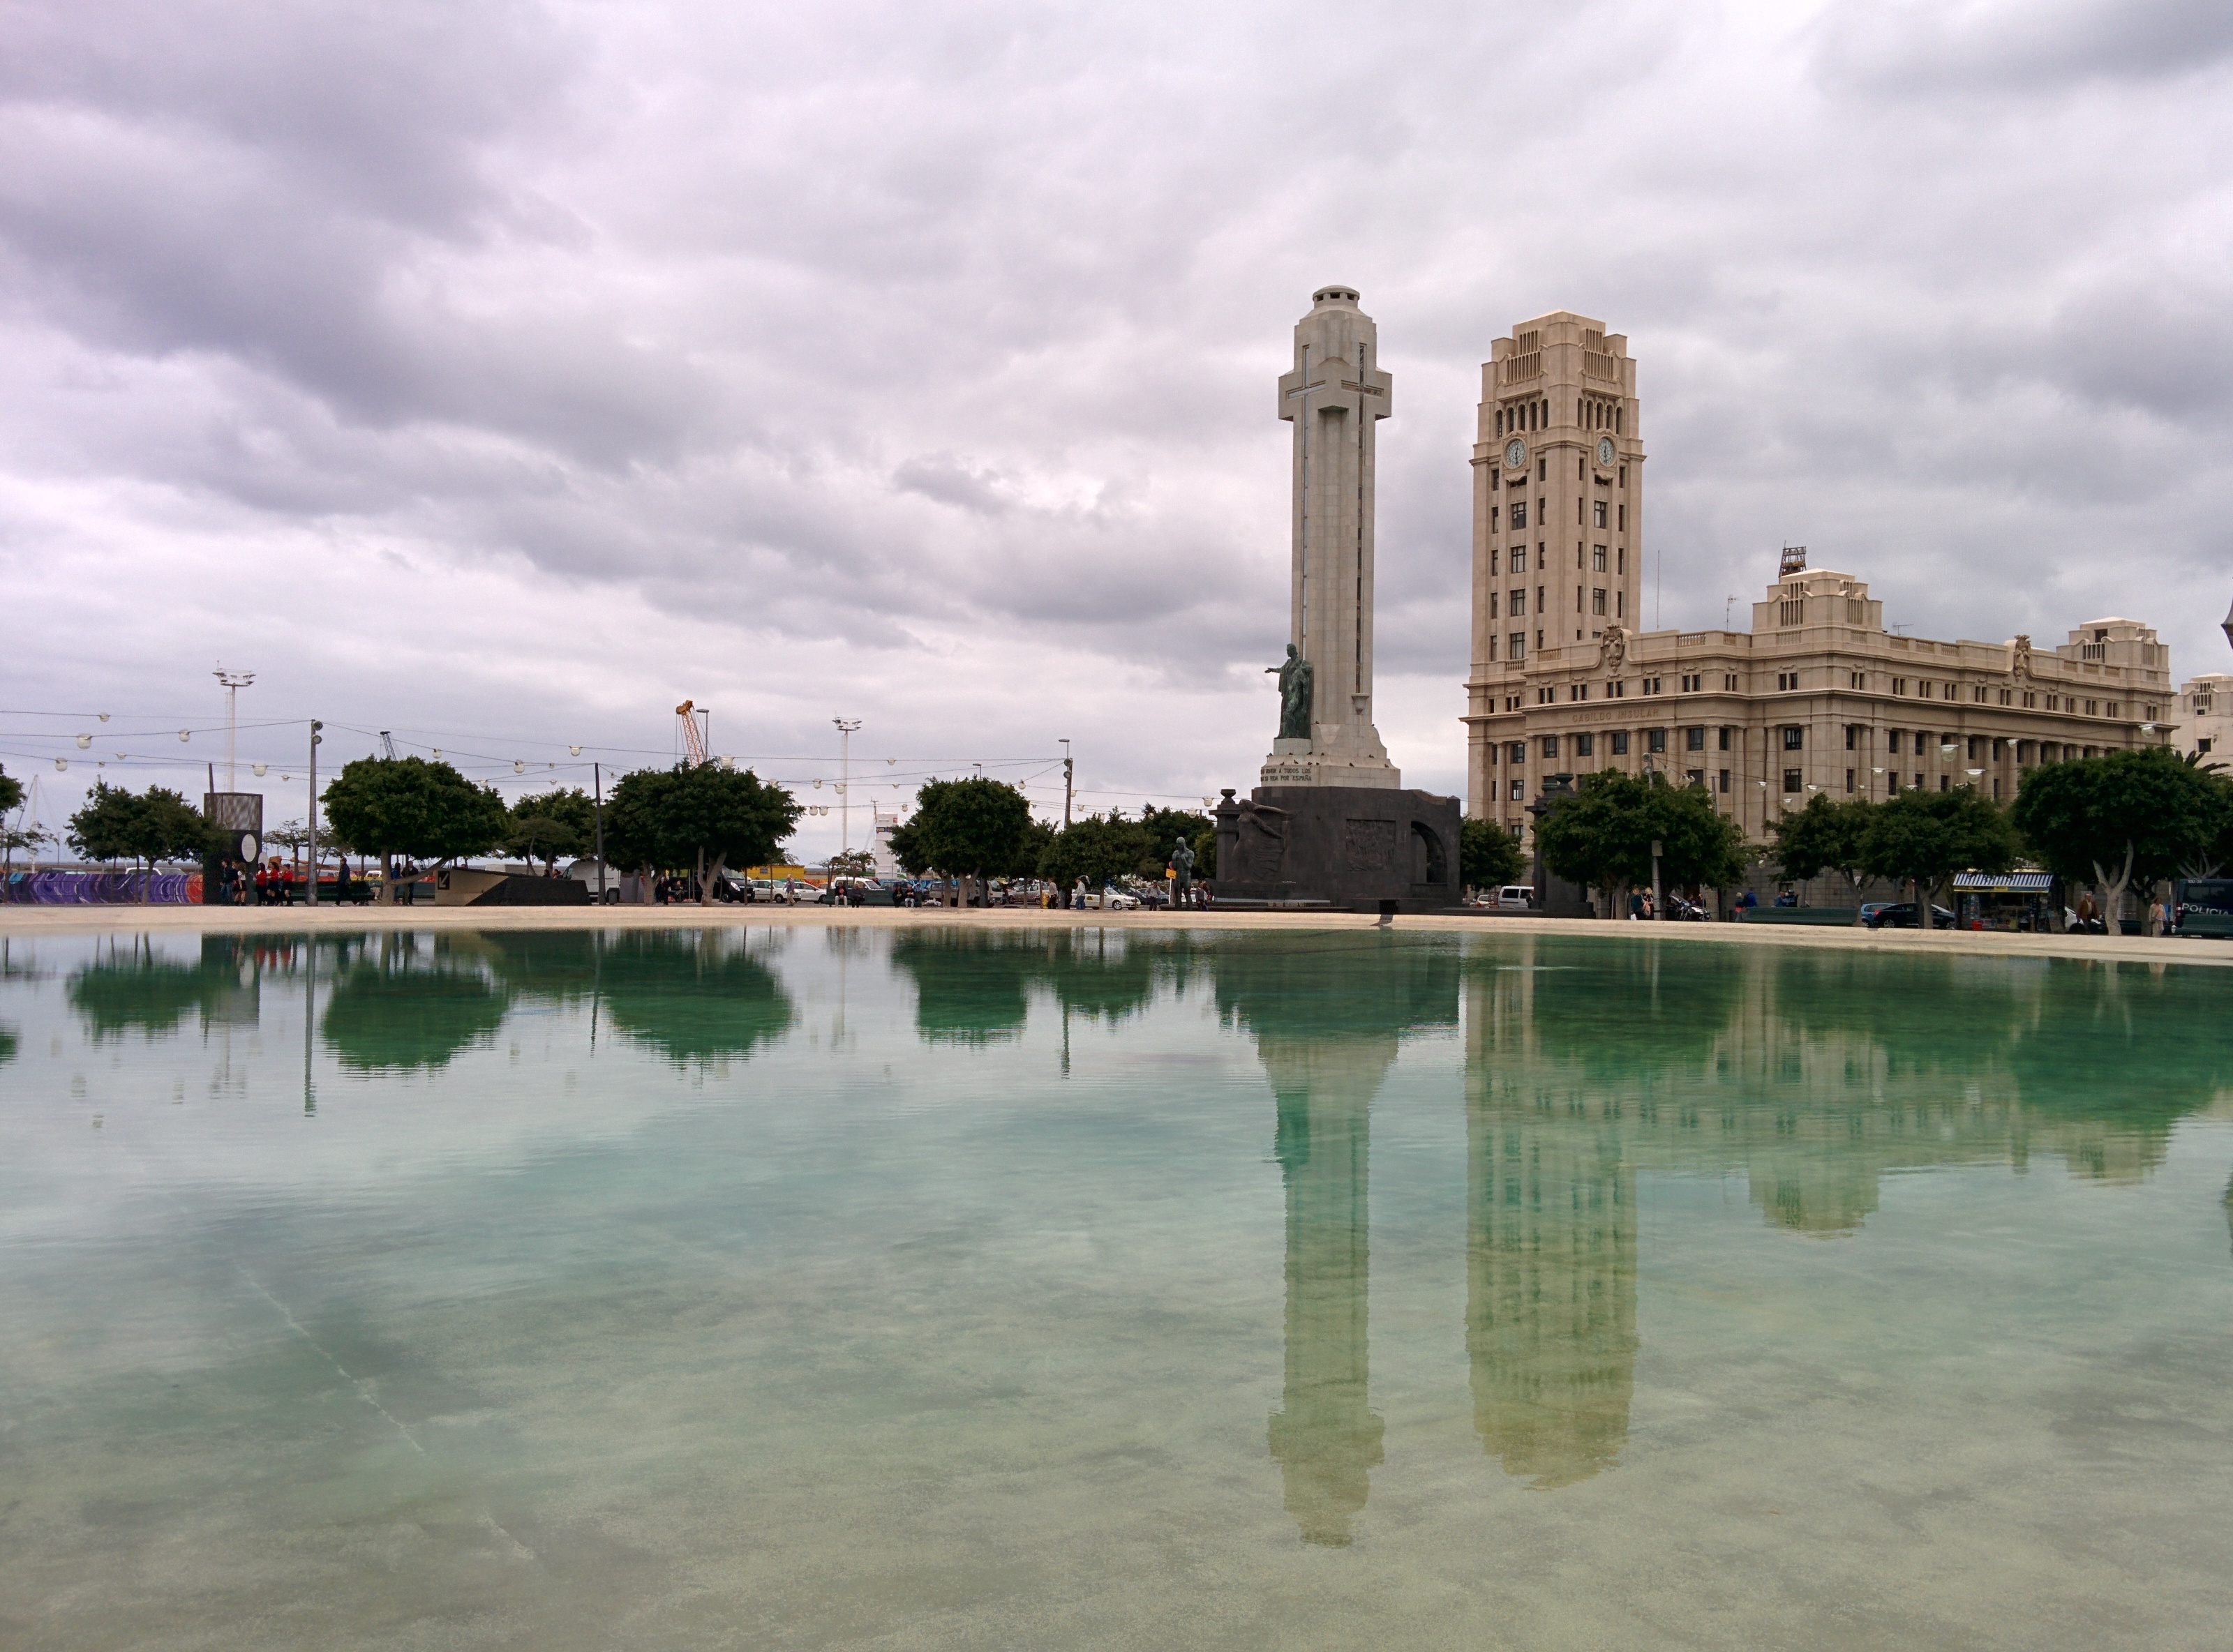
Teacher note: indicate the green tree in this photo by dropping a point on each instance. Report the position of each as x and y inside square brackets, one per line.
[851, 864]
[391, 806]
[1098, 848]
[2111, 820]
[1825, 836]
[156, 825]
[965, 828]
[1923, 838]
[1602, 835]
[1488, 855]
[11, 791]
[685, 817]
[545, 825]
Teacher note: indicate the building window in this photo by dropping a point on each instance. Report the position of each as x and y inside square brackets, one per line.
[1617, 689]
[1791, 783]
[1786, 681]
[1585, 744]
[1694, 739]
[1725, 780]
[1542, 474]
[1519, 514]
[1540, 606]
[1853, 678]
[1792, 612]
[1624, 476]
[1598, 602]
[1794, 737]
[1729, 683]
[1519, 790]
[1721, 740]
[1515, 645]
[2007, 696]
[1694, 778]
[1623, 523]
[1550, 745]
[1539, 641]
[1647, 684]
[1620, 743]
[1892, 739]
[1517, 603]
[1849, 779]
[1545, 696]
[1620, 605]
[1597, 562]
[1597, 516]
[2090, 705]
[1900, 684]
[1578, 691]
[1655, 740]
[1945, 783]
[2031, 702]
[1949, 691]
[2202, 745]
[1516, 751]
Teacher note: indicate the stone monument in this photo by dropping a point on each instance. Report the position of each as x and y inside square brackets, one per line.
[1330, 822]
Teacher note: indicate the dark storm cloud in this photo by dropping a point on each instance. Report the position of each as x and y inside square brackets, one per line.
[916, 362]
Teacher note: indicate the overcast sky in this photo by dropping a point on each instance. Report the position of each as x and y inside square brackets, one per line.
[501, 374]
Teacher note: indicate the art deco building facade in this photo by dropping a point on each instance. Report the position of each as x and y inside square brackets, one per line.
[1816, 696]
[2205, 717]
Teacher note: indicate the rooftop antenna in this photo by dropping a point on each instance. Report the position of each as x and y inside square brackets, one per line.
[388, 741]
[1794, 562]
[234, 681]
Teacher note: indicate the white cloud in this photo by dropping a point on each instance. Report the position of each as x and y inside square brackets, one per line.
[525, 370]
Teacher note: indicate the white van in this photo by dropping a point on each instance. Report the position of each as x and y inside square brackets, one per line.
[1514, 897]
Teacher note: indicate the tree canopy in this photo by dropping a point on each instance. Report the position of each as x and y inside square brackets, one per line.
[545, 825]
[1098, 848]
[1925, 837]
[667, 817]
[2130, 816]
[1488, 855]
[410, 806]
[157, 825]
[1825, 836]
[1603, 835]
[11, 791]
[972, 828]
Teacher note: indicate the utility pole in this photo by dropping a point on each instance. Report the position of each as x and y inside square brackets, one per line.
[1069, 776]
[234, 681]
[316, 740]
[846, 726]
[597, 779]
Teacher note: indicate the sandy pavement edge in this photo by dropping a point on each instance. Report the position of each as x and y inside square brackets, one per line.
[57, 920]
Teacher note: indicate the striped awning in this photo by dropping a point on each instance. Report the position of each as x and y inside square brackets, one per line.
[2005, 882]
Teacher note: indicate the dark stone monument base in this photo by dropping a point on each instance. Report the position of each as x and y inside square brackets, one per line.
[1341, 848]
[517, 891]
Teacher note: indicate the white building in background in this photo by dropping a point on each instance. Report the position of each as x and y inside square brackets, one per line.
[880, 840]
[2205, 715]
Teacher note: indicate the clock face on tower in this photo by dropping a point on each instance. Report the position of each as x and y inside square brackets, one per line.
[1605, 450]
[1515, 452]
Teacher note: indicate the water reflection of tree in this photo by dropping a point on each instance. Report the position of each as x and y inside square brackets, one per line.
[975, 986]
[1328, 1015]
[402, 1002]
[122, 990]
[691, 995]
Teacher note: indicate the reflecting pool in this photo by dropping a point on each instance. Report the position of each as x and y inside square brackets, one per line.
[927, 1287]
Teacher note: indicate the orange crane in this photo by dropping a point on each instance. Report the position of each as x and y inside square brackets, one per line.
[694, 739]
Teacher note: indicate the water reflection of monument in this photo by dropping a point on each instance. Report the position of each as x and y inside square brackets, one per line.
[1328, 1022]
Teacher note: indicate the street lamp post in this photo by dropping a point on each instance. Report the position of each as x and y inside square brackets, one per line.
[234, 681]
[316, 740]
[846, 726]
[1069, 775]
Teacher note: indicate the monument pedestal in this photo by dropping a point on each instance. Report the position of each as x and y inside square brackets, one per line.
[1345, 848]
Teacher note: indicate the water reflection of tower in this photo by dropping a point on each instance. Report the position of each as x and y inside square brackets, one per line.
[1551, 1248]
[1328, 1024]
[1325, 1435]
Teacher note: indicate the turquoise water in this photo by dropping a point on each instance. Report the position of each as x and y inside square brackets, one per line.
[931, 1288]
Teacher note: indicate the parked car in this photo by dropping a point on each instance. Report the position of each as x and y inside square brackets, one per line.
[1513, 897]
[1900, 914]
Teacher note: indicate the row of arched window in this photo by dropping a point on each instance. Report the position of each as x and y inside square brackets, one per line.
[1534, 416]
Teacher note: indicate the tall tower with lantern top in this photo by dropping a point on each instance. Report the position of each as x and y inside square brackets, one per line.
[1558, 515]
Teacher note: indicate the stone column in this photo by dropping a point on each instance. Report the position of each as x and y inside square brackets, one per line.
[1335, 397]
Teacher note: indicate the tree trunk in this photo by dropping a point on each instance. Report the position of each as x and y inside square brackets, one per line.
[711, 877]
[2113, 918]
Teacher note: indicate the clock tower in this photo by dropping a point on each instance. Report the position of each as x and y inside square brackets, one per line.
[1557, 521]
